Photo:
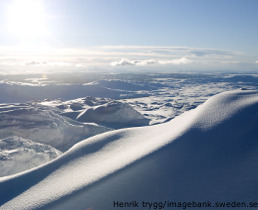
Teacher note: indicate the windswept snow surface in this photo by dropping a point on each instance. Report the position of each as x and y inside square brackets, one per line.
[44, 125]
[54, 123]
[158, 96]
[18, 154]
[207, 154]
[103, 111]
[114, 114]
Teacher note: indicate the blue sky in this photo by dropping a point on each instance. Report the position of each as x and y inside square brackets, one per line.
[165, 34]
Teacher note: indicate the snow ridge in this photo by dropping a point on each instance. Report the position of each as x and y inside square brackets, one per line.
[206, 153]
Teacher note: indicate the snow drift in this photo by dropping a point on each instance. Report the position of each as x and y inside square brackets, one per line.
[18, 154]
[210, 153]
[114, 115]
[102, 111]
[43, 125]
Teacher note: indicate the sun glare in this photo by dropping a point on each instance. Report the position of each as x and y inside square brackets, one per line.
[27, 19]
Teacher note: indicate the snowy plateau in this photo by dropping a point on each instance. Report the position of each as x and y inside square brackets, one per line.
[96, 142]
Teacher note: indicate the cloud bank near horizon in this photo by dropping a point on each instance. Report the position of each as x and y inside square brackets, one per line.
[109, 57]
[126, 61]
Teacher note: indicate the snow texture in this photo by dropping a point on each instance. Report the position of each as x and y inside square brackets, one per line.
[18, 154]
[158, 96]
[102, 111]
[55, 123]
[114, 114]
[209, 153]
[43, 125]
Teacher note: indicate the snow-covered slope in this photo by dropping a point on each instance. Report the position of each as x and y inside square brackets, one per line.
[113, 114]
[18, 154]
[103, 111]
[43, 125]
[206, 154]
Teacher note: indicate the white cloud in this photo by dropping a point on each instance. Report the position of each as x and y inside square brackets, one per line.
[213, 52]
[49, 63]
[179, 61]
[104, 57]
[36, 63]
[147, 62]
[256, 61]
[126, 62]
[170, 50]
[123, 62]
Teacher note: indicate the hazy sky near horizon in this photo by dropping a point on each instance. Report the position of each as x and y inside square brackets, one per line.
[165, 34]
